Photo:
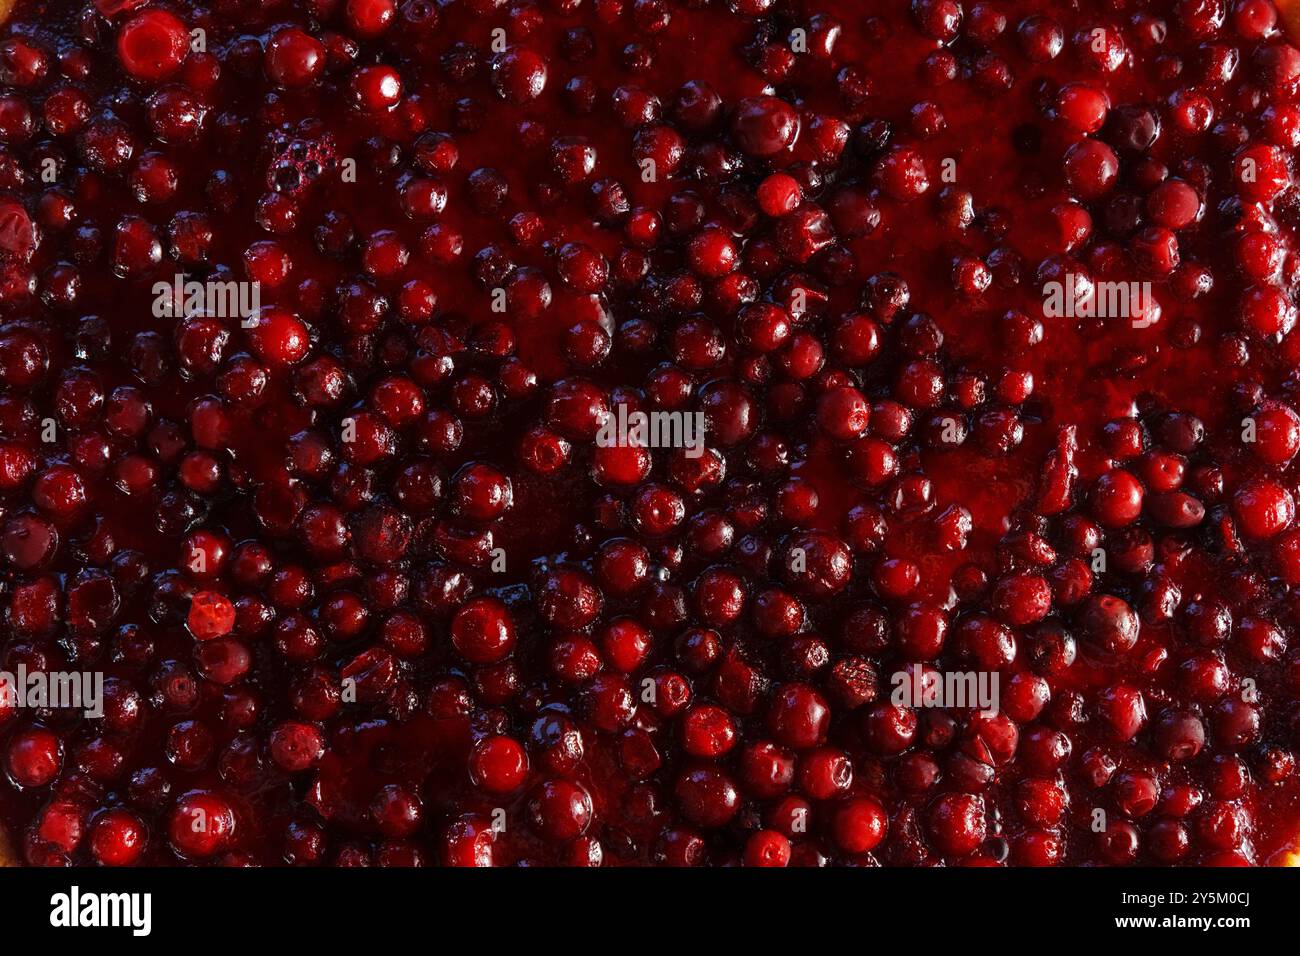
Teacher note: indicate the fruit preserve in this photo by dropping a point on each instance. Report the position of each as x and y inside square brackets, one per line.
[649, 432]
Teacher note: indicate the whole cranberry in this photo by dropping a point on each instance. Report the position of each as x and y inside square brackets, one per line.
[498, 764]
[483, 631]
[560, 810]
[767, 848]
[294, 58]
[957, 824]
[859, 825]
[1263, 508]
[468, 841]
[1090, 169]
[118, 838]
[519, 74]
[1110, 624]
[34, 757]
[1180, 735]
[375, 89]
[201, 824]
[708, 798]
[568, 599]
[481, 492]
[799, 717]
[279, 338]
[397, 811]
[902, 174]
[764, 125]
[1117, 498]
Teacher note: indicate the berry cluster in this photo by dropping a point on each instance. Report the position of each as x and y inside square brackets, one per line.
[365, 586]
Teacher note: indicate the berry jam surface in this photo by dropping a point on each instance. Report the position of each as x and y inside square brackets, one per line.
[317, 318]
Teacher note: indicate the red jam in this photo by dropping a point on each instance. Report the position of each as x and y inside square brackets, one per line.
[485, 433]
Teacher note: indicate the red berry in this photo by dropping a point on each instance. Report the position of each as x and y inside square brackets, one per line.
[482, 631]
[560, 810]
[1117, 498]
[211, 615]
[118, 838]
[294, 58]
[765, 125]
[1263, 508]
[767, 848]
[708, 731]
[202, 823]
[279, 338]
[296, 746]
[375, 88]
[957, 824]
[498, 764]
[1090, 169]
[779, 195]
[1260, 172]
[1082, 106]
[34, 757]
[799, 716]
[519, 75]
[152, 45]
[860, 825]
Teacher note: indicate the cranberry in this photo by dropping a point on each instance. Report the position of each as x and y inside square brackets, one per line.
[498, 764]
[375, 88]
[482, 631]
[957, 824]
[296, 746]
[657, 651]
[766, 848]
[370, 18]
[1117, 498]
[1090, 169]
[519, 75]
[34, 757]
[1261, 172]
[201, 824]
[1110, 624]
[708, 731]
[765, 125]
[708, 798]
[1263, 508]
[481, 493]
[294, 58]
[279, 338]
[560, 810]
[1180, 735]
[211, 615]
[118, 838]
[468, 842]
[152, 45]
[903, 175]
[799, 716]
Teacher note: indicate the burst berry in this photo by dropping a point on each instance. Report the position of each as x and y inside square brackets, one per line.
[211, 615]
[152, 45]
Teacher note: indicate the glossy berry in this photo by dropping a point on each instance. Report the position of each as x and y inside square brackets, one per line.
[211, 615]
[201, 823]
[482, 631]
[152, 45]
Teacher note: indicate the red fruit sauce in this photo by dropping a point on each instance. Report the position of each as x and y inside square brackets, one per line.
[986, 310]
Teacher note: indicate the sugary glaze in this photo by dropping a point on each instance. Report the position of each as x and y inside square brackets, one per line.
[840, 256]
